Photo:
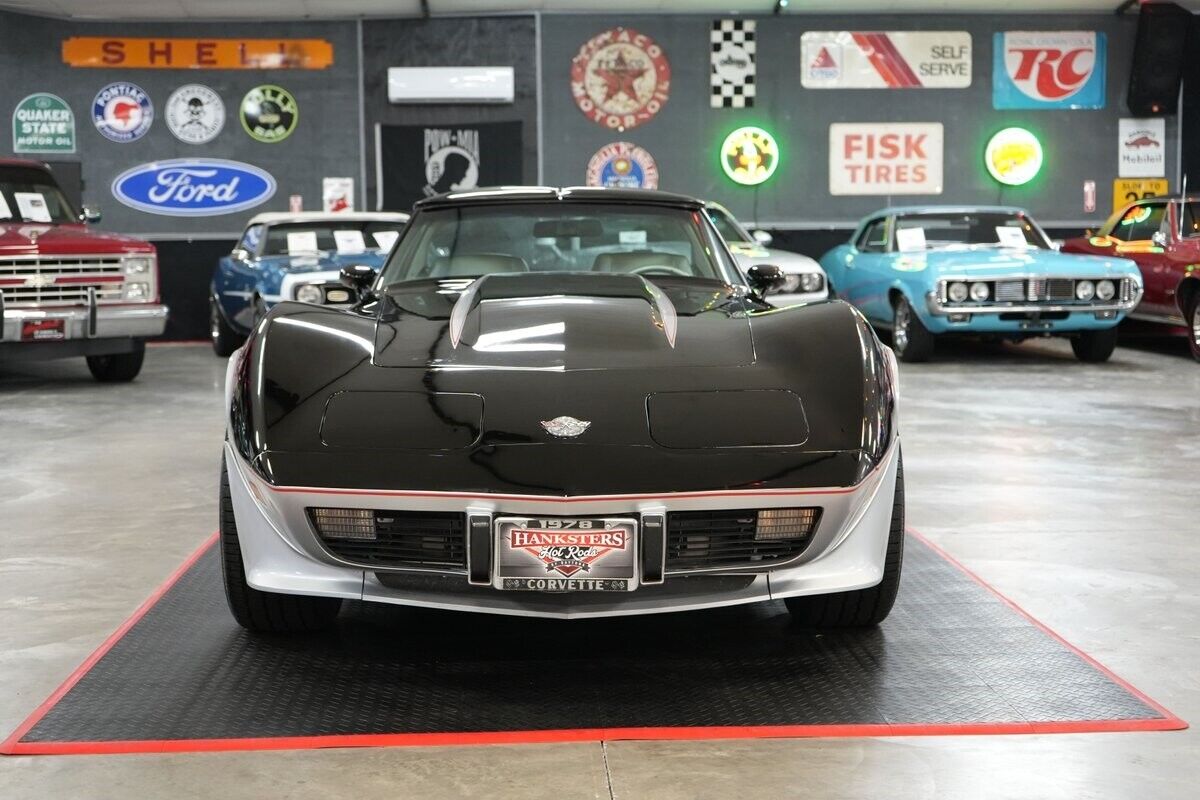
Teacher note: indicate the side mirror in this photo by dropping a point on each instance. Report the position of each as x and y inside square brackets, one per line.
[360, 278]
[1159, 238]
[90, 215]
[765, 278]
[762, 237]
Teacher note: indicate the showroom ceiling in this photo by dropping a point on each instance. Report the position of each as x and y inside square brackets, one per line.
[293, 9]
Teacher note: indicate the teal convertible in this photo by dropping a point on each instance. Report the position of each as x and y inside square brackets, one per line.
[928, 271]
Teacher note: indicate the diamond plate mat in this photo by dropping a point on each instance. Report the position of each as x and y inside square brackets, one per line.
[952, 658]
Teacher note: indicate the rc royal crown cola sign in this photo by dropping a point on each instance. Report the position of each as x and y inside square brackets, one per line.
[193, 187]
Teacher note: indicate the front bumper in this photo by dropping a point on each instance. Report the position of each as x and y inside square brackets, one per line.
[283, 554]
[1022, 318]
[101, 322]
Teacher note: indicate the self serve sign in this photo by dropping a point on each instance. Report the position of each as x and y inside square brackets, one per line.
[883, 159]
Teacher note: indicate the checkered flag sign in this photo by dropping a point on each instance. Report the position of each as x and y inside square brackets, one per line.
[733, 54]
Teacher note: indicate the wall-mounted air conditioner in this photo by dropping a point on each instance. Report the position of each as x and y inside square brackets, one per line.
[450, 84]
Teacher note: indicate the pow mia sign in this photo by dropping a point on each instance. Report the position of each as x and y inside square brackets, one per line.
[195, 114]
[418, 161]
[451, 160]
[620, 79]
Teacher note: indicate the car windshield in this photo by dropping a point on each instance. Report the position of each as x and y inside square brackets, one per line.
[471, 241]
[940, 231]
[348, 236]
[728, 227]
[28, 194]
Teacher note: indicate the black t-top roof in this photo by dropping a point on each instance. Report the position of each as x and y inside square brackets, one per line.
[504, 195]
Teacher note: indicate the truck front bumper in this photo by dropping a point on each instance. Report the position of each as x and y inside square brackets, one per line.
[86, 330]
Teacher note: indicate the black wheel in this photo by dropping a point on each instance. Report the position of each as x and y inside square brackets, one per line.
[264, 612]
[1193, 320]
[911, 340]
[1094, 347]
[861, 607]
[118, 367]
[224, 338]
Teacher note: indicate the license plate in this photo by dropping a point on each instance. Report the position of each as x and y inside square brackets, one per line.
[566, 555]
[43, 330]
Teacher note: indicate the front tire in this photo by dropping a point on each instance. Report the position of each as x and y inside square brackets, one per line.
[224, 338]
[118, 367]
[1095, 347]
[911, 340]
[258, 611]
[860, 608]
[1193, 319]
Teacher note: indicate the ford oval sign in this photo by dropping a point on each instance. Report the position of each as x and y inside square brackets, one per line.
[193, 187]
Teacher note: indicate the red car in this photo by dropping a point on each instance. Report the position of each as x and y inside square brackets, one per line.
[66, 290]
[1161, 234]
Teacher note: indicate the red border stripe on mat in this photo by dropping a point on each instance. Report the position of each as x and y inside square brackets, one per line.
[13, 745]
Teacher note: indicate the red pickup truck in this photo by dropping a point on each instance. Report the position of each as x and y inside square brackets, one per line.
[66, 290]
[1161, 234]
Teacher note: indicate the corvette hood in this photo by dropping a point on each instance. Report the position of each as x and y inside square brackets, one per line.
[562, 322]
[1000, 261]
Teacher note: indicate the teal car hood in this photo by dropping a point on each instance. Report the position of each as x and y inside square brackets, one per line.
[980, 262]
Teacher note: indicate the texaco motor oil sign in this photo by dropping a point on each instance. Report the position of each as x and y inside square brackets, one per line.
[620, 79]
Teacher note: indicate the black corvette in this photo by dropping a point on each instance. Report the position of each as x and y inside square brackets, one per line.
[561, 403]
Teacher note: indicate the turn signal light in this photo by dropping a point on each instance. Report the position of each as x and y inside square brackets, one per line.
[785, 523]
[344, 523]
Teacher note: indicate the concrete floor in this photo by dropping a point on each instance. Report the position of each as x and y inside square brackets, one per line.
[1071, 488]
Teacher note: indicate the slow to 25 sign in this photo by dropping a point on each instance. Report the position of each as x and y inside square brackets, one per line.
[873, 158]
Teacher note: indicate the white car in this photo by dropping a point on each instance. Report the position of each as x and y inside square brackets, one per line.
[806, 281]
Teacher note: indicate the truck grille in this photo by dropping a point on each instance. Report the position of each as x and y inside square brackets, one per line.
[60, 280]
[411, 539]
[698, 540]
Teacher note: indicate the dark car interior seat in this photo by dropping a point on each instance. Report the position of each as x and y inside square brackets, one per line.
[473, 264]
[638, 259]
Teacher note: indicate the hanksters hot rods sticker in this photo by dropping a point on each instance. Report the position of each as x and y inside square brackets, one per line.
[269, 113]
[193, 187]
[620, 78]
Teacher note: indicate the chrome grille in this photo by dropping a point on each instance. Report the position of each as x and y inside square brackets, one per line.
[1052, 289]
[60, 280]
[1010, 291]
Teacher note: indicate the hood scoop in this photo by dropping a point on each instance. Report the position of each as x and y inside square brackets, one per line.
[564, 321]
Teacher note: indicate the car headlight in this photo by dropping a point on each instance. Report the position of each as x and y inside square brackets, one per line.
[979, 292]
[790, 284]
[811, 282]
[1085, 290]
[137, 291]
[310, 293]
[957, 292]
[1105, 290]
[137, 264]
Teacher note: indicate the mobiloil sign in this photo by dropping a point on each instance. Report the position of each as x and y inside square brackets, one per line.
[193, 187]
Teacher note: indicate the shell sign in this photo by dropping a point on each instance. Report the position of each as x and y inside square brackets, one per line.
[1013, 156]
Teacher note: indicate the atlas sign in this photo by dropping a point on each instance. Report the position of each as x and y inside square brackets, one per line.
[883, 159]
[1062, 69]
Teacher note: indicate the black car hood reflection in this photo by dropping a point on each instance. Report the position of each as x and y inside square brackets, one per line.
[562, 321]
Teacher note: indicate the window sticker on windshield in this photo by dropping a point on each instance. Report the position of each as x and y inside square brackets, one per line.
[910, 239]
[32, 206]
[350, 241]
[632, 237]
[5, 211]
[302, 242]
[1010, 236]
[385, 239]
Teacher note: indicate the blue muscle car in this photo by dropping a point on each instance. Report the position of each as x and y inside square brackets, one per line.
[293, 257]
[922, 272]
